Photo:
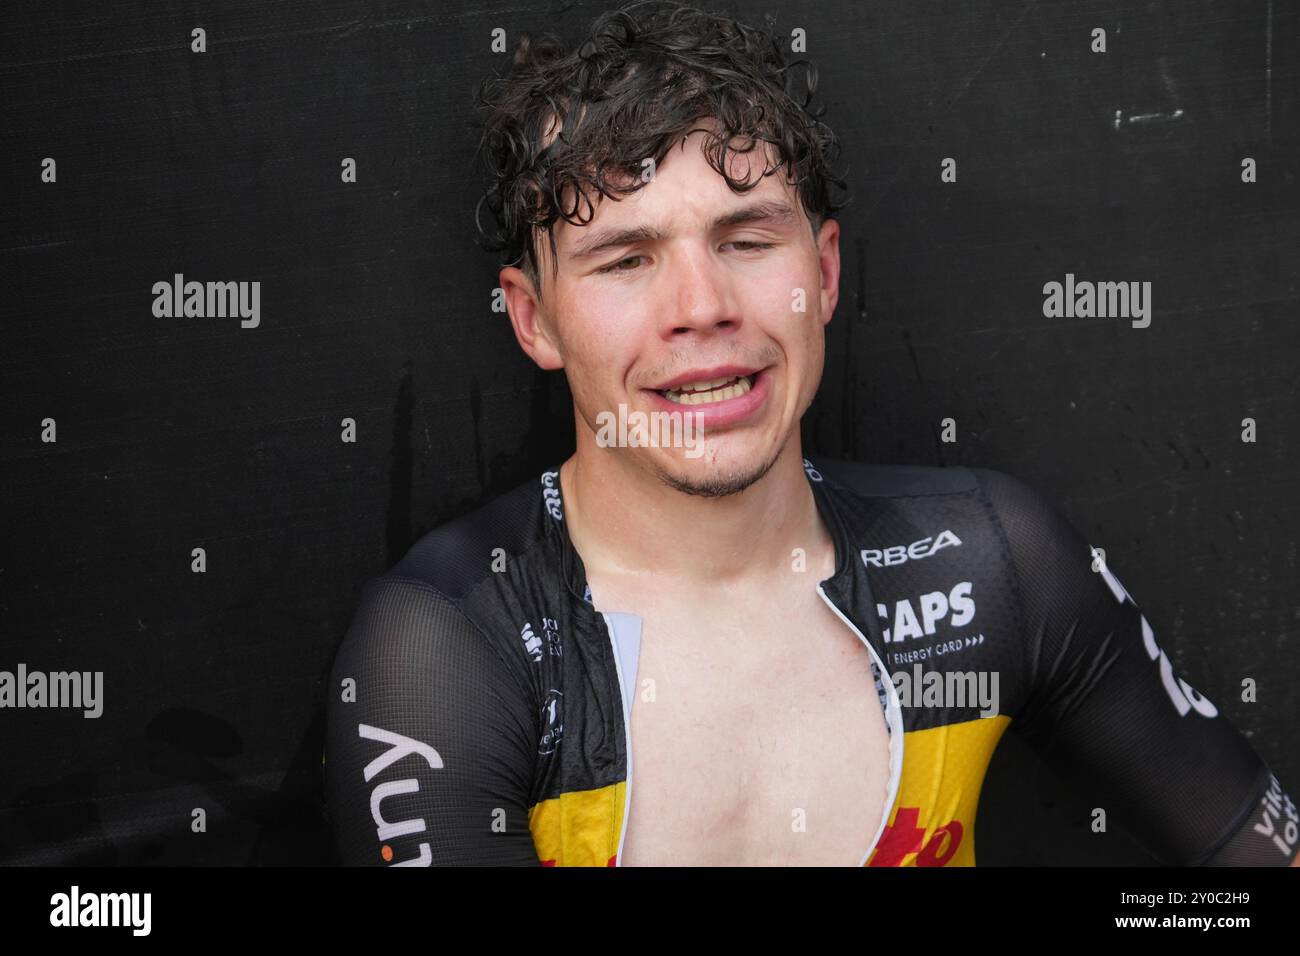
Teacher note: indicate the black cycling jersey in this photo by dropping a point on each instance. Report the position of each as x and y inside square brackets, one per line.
[481, 702]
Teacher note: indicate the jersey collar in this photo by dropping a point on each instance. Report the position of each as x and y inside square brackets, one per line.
[575, 574]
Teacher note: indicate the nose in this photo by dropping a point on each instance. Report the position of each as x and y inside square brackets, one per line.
[705, 294]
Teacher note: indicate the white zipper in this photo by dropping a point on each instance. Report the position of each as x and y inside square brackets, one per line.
[627, 740]
[893, 717]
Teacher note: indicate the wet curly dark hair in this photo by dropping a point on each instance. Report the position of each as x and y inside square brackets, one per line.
[644, 76]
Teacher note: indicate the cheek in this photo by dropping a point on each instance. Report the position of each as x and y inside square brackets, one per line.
[774, 292]
[598, 348]
[800, 335]
[789, 281]
[816, 355]
[607, 351]
[789, 301]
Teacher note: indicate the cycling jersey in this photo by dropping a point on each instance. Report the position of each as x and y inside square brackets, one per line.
[481, 703]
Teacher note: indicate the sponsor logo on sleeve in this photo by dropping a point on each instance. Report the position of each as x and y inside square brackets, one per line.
[552, 721]
[1278, 820]
[399, 747]
[1184, 697]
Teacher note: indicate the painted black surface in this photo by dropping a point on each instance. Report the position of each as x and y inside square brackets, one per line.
[183, 433]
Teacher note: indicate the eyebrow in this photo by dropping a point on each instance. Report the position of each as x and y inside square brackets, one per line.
[773, 211]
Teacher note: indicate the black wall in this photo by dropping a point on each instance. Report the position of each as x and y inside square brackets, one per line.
[177, 433]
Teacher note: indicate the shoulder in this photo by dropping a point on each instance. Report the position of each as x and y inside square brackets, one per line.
[439, 617]
[442, 597]
[1000, 513]
[891, 481]
[457, 555]
[1039, 534]
[904, 481]
[1007, 496]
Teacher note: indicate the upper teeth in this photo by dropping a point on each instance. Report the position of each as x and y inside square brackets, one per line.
[697, 393]
[704, 386]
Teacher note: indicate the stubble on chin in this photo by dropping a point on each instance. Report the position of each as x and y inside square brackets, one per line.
[720, 484]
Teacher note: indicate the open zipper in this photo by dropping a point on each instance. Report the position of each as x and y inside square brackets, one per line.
[893, 719]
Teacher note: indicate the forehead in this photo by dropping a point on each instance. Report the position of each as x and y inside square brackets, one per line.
[685, 193]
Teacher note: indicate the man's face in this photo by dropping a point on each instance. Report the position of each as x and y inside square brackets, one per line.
[682, 283]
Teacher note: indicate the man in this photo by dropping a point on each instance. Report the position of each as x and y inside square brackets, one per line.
[727, 653]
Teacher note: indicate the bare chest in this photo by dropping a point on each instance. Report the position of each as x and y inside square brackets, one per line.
[757, 737]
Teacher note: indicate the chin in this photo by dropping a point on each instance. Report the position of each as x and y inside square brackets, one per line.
[715, 473]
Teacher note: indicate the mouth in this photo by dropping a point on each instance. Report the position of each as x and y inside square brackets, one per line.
[711, 391]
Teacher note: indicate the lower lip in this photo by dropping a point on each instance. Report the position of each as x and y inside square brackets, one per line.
[717, 414]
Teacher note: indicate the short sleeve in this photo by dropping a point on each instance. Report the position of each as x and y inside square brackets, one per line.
[1107, 711]
[431, 740]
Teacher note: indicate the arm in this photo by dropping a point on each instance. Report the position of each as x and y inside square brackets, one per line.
[1107, 710]
[431, 760]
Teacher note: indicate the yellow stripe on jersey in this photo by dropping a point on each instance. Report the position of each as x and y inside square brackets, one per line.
[580, 828]
[933, 819]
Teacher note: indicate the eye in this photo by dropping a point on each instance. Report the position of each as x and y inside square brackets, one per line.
[748, 244]
[615, 266]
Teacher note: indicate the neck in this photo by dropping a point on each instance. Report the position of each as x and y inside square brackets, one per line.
[623, 520]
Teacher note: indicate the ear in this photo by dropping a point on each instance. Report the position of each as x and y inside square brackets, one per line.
[529, 320]
[828, 257]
